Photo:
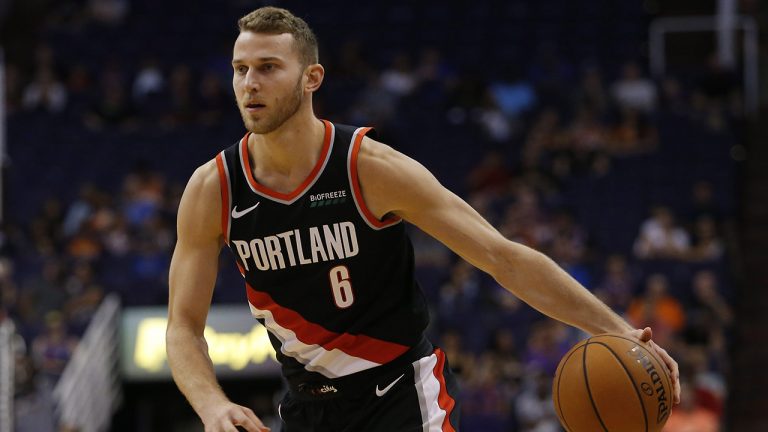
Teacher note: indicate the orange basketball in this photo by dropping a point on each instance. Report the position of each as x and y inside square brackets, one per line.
[612, 383]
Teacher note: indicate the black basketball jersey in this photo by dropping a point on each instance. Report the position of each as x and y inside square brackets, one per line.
[333, 284]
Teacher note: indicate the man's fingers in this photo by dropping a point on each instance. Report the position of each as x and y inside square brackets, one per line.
[244, 421]
[251, 416]
[248, 421]
[643, 334]
[672, 367]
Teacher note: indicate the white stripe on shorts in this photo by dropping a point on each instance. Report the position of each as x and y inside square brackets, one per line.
[428, 389]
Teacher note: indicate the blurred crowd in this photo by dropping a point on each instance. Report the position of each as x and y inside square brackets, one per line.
[537, 133]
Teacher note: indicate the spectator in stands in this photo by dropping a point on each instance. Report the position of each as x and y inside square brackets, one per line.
[703, 203]
[524, 220]
[707, 245]
[709, 299]
[462, 362]
[591, 92]
[618, 283]
[487, 407]
[13, 89]
[660, 237]
[46, 229]
[45, 93]
[435, 76]
[492, 120]
[689, 417]
[634, 134]
[672, 97]
[706, 378]
[111, 12]
[117, 240]
[79, 89]
[149, 81]
[459, 296]
[534, 407]
[633, 90]
[707, 112]
[550, 74]
[586, 135]
[543, 137]
[52, 349]
[490, 175]
[547, 342]
[503, 348]
[374, 104]
[710, 316]
[81, 277]
[80, 308]
[43, 293]
[143, 194]
[213, 101]
[86, 244]
[80, 210]
[183, 106]
[33, 407]
[568, 250]
[112, 107]
[657, 308]
[399, 78]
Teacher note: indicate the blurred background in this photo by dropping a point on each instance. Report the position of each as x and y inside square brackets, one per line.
[621, 138]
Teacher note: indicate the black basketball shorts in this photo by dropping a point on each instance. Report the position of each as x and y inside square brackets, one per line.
[418, 397]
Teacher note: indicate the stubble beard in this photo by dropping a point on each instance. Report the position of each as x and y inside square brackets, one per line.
[283, 112]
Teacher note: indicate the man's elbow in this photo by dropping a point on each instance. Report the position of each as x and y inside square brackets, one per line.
[178, 332]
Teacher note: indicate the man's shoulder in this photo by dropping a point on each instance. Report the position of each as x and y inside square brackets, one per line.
[205, 179]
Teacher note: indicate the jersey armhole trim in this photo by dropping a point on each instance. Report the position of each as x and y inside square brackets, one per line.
[354, 182]
[226, 196]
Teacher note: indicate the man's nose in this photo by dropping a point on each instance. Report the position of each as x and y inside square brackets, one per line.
[251, 81]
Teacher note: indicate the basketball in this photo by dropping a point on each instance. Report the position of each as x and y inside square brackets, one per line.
[612, 383]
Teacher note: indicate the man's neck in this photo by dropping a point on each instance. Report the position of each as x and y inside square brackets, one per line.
[288, 154]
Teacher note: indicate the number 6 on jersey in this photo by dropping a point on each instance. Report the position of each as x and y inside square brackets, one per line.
[341, 287]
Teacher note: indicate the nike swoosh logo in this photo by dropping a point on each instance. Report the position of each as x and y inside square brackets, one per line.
[381, 393]
[237, 214]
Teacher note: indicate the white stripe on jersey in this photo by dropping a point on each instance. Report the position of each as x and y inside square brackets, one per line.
[332, 364]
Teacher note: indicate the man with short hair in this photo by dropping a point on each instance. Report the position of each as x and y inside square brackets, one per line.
[313, 213]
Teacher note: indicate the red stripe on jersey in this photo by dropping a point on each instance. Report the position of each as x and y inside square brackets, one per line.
[361, 346]
[303, 186]
[224, 185]
[445, 400]
[369, 216]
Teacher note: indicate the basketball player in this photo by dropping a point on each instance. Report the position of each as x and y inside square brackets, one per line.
[314, 213]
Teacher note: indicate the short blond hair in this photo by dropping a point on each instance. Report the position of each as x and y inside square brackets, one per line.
[273, 20]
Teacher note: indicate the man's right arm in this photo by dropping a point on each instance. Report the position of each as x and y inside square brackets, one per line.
[192, 278]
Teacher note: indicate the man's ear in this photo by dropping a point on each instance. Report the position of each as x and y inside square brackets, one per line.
[315, 74]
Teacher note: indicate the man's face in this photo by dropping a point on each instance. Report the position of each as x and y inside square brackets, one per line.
[267, 79]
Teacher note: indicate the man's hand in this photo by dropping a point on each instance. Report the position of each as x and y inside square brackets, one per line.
[645, 336]
[225, 417]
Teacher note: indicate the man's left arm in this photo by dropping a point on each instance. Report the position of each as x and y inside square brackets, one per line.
[392, 183]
